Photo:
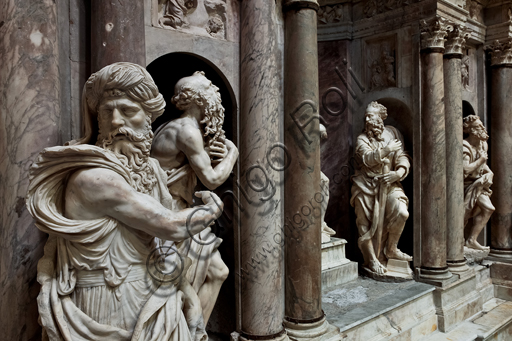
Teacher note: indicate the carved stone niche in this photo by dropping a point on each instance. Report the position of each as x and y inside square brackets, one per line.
[380, 59]
[200, 17]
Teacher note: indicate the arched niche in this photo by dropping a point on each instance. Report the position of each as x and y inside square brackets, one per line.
[467, 109]
[166, 71]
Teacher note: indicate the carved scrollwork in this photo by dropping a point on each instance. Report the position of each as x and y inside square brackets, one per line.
[457, 35]
[501, 52]
[433, 33]
[330, 14]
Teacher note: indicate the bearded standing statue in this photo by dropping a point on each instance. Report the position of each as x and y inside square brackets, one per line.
[377, 195]
[105, 204]
[477, 180]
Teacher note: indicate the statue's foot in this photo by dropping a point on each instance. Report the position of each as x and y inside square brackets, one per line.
[397, 254]
[473, 244]
[377, 267]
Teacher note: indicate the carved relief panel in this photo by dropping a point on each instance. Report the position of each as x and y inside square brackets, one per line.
[330, 14]
[201, 17]
[380, 57]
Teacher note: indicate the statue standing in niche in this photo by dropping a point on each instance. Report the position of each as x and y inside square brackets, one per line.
[327, 232]
[477, 180]
[377, 195]
[107, 210]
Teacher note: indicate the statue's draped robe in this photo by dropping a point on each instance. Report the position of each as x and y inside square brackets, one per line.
[473, 188]
[93, 275]
[366, 187]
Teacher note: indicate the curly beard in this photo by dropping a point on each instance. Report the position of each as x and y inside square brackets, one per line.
[374, 129]
[133, 152]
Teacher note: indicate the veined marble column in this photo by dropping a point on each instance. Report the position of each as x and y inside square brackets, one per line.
[433, 152]
[117, 33]
[31, 118]
[260, 278]
[304, 318]
[501, 144]
[454, 136]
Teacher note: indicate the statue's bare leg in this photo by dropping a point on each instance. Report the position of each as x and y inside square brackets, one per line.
[396, 228]
[370, 259]
[485, 210]
[217, 274]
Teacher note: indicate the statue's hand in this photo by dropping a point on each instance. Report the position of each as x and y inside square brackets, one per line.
[391, 177]
[393, 146]
[213, 202]
[217, 151]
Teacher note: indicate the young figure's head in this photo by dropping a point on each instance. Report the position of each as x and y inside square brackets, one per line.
[197, 90]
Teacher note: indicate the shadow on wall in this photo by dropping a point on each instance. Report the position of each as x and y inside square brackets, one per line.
[166, 71]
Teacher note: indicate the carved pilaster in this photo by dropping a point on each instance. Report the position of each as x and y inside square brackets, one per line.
[455, 43]
[433, 33]
[298, 4]
[501, 52]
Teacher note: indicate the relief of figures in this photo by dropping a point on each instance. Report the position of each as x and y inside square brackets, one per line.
[382, 70]
[464, 71]
[330, 14]
[478, 179]
[203, 17]
[377, 194]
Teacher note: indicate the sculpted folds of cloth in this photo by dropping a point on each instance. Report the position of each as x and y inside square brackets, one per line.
[107, 209]
[477, 180]
[377, 195]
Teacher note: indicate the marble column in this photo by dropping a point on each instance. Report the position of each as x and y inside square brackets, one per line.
[501, 144]
[30, 120]
[433, 152]
[454, 170]
[117, 33]
[304, 318]
[260, 254]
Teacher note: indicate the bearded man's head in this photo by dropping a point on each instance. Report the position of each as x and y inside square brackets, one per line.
[199, 90]
[126, 100]
[375, 115]
[473, 125]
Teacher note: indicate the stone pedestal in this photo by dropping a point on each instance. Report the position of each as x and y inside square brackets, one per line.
[454, 168]
[433, 153]
[260, 254]
[501, 144]
[117, 33]
[336, 268]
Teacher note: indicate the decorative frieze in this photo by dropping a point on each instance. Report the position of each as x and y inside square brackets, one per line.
[457, 35]
[501, 52]
[330, 14]
[373, 7]
[433, 33]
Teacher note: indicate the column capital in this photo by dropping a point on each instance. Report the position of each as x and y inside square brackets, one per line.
[457, 35]
[501, 52]
[433, 33]
[299, 4]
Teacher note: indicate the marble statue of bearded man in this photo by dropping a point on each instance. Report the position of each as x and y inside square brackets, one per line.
[105, 204]
[377, 195]
[477, 180]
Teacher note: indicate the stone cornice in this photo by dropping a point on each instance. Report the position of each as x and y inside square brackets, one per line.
[501, 52]
[457, 35]
[433, 33]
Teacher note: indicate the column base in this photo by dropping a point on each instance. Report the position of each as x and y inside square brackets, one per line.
[435, 276]
[319, 330]
[282, 336]
[457, 266]
[500, 255]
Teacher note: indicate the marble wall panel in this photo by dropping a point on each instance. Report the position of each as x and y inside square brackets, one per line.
[29, 121]
[337, 150]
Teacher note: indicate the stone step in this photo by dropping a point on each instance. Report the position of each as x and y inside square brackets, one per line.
[336, 268]
[370, 311]
[493, 323]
